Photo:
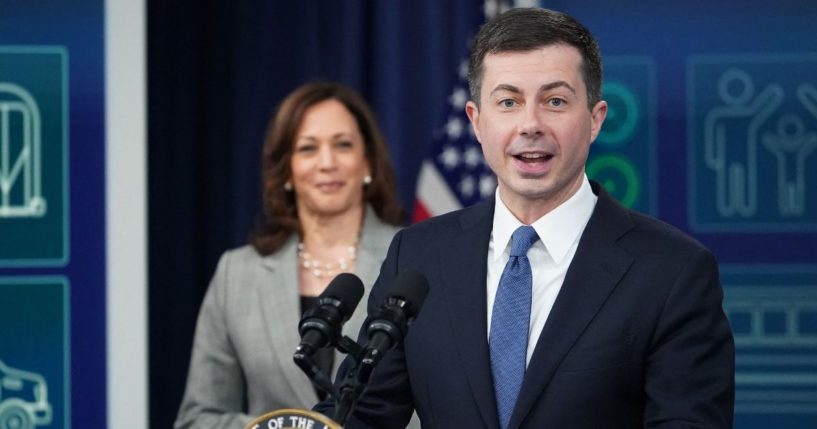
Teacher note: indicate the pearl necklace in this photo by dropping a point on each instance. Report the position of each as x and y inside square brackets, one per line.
[326, 269]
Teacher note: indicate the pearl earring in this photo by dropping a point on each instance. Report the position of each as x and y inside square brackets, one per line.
[367, 179]
[288, 186]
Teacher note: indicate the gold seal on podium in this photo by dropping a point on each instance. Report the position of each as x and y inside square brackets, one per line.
[291, 418]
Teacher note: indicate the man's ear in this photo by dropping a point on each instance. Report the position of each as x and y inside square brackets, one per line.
[597, 116]
[472, 111]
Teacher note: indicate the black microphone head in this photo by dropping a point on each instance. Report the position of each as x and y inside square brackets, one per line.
[346, 289]
[412, 287]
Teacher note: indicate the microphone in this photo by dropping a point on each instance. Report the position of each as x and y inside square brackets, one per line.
[386, 329]
[389, 324]
[321, 326]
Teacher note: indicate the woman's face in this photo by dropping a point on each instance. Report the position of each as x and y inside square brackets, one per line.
[328, 161]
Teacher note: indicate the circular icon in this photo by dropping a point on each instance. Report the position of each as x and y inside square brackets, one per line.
[15, 417]
[618, 176]
[622, 114]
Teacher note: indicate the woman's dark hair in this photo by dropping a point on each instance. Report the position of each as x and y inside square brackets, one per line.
[279, 217]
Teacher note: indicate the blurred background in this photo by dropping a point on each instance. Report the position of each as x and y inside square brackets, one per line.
[152, 115]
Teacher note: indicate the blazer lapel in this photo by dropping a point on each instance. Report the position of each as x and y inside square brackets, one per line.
[594, 272]
[280, 306]
[374, 243]
[465, 273]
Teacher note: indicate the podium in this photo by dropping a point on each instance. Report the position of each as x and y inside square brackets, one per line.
[291, 418]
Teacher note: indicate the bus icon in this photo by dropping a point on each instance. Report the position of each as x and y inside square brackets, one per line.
[20, 158]
[23, 399]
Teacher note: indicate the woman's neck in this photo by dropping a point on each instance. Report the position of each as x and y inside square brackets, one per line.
[328, 247]
[326, 231]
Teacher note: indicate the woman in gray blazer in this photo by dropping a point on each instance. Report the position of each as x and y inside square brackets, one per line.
[329, 206]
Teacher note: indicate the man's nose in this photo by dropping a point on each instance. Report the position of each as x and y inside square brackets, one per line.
[532, 124]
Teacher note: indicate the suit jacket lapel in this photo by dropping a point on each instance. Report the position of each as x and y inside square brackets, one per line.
[280, 306]
[594, 272]
[465, 273]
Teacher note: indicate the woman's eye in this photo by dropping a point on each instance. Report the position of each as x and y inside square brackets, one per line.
[344, 144]
[306, 148]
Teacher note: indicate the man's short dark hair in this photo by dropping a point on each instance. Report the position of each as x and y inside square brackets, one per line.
[527, 29]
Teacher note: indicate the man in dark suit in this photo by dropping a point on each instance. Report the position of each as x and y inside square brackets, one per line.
[550, 305]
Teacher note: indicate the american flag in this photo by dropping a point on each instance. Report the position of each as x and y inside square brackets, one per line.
[455, 174]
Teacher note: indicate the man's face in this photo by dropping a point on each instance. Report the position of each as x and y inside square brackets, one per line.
[535, 127]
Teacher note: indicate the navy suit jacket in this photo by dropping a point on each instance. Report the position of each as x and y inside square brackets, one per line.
[636, 338]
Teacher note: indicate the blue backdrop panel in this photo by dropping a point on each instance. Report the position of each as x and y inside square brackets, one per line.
[753, 142]
[52, 230]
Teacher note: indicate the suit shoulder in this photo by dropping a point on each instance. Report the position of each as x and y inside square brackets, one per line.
[245, 254]
[639, 233]
[659, 236]
[239, 267]
[377, 234]
[452, 221]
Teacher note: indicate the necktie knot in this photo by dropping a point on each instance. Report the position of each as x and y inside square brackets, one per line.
[522, 239]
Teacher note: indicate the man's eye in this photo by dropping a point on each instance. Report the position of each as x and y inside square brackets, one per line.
[507, 103]
[557, 102]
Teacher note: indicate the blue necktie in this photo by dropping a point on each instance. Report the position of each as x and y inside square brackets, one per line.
[508, 340]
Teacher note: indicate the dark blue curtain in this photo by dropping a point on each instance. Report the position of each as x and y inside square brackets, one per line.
[216, 71]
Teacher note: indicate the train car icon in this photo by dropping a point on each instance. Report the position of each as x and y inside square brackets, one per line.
[775, 331]
[20, 156]
[23, 399]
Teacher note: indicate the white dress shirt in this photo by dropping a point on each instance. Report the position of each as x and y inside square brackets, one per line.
[559, 232]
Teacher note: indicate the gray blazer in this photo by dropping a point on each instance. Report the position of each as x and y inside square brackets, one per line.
[241, 365]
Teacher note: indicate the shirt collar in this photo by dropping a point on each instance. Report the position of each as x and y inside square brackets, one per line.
[557, 230]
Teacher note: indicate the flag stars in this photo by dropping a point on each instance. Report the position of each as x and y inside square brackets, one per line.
[450, 157]
[463, 71]
[454, 128]
[472, 157]
[467, 186]
[487, 185]
[458, 98]
[489, 9]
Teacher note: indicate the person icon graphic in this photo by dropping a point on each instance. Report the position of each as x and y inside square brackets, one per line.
[730, 142]
[790, 146]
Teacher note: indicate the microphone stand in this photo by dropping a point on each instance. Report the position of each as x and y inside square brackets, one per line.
[303, 358]
[352, 387]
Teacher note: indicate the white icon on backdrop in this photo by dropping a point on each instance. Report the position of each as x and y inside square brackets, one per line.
[23, 399]
[20, 158]
[736, 170]
[790, 145]
[733, 145]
